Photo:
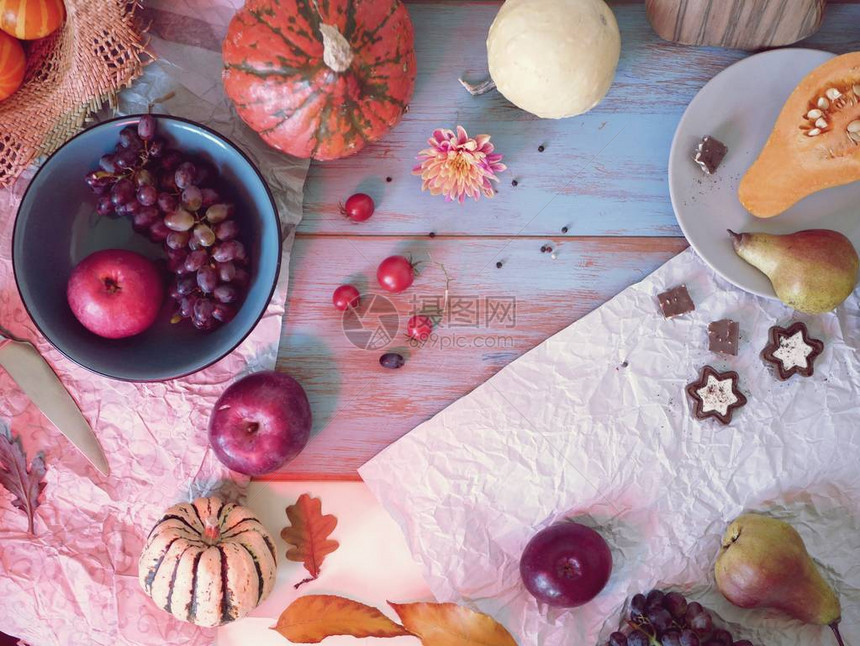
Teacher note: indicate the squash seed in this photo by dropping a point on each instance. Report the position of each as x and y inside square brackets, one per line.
[814, 114]
[854, 126]
[823, 103]
[833, 94]
[821, 123]
[814, 132]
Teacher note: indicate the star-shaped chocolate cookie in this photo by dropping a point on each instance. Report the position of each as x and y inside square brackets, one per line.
[716, 395]
[791, 350]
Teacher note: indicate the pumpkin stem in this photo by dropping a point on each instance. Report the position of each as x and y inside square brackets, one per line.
[337, 53]
[211, 531]
[476, 89]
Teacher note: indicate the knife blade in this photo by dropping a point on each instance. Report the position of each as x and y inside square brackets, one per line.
[40, 383]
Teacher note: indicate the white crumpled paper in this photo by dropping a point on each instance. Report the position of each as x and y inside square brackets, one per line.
[594, 423]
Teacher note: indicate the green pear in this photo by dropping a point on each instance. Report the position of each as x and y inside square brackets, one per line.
[812, 271]
[763, 563]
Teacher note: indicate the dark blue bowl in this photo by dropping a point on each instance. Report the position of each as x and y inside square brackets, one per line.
[57, 227]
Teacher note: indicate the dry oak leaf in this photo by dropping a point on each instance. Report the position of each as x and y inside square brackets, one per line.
[308, 533]
[447, 624]
[312, 618]
[24, 484]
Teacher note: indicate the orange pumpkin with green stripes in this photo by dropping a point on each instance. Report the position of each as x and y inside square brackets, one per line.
[12, 65]
[30, 19]
[320, 78]
[208, 562]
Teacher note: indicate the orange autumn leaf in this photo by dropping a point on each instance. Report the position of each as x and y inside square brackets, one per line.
[447, 624]
[309, 534]
[312, 618]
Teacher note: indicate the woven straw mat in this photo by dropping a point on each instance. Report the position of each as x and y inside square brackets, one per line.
[96, 52]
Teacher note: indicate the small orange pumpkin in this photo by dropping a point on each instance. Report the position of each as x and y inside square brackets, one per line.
[31, 19]
[12, 65]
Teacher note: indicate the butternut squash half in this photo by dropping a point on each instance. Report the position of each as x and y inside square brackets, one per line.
[815, 143]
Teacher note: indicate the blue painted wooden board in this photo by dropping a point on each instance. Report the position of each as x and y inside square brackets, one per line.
[603, 173]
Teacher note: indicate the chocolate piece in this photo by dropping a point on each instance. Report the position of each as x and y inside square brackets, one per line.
[709, 154]
[723, 337]
[675, 302]
[716, 395]
[791, 350]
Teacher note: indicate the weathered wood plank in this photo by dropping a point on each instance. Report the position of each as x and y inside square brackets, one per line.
[359, 407]
[603, 173]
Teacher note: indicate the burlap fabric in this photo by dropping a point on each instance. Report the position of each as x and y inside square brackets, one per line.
[70, 73]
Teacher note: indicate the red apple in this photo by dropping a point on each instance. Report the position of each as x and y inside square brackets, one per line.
[115, 293]
[260, 422]
[566, 564]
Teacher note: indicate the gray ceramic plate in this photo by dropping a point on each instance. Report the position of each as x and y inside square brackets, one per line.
[57, 227]
[739, 107]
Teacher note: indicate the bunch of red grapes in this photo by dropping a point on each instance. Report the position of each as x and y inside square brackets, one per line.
[666, 619]
[171, 198]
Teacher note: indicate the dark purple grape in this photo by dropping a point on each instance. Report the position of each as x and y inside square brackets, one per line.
[676, 604]
[120, 209]
[108, 163]
[659, 618]
[147, 195]
[196, 259]
[202, 313]
[210, 196]
[144, 178]
[743, 642]
[176, 261]
[693, 609]
[227, 230]
[166, 181]
[638, 638]
[132, 207]
[122, 192]
[242, 277]
[104, 206]
[177, 239]
[192, 243]
[184, 175]
[219, 212]
[144, 218]
[724, 637]
[204, 172]
[192, 198]
[170, 160]
[226, 271]
[701, 623]
[98, 180]
[167, 202]
[146, 127]
[158, 232]
[654, 598]
[128, 138]
[689, 637]
[670, 638]
[617, 639]
[207, 279]
[637, 606]
[228, 251]
[186, 285]
[156, 148]
[126, 159]
[186, 305]
[173, 290]
[223, 313]
[225, 293]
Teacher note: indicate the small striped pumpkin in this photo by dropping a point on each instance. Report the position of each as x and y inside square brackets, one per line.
[208, 562]
[12, 65]
[30, 19]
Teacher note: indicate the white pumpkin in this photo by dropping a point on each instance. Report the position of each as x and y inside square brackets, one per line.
[208, 562]
[554, 58]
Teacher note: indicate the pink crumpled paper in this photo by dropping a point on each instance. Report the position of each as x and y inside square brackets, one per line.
[76, 583]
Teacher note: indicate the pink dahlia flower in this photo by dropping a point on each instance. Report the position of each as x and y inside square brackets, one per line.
[458, 166]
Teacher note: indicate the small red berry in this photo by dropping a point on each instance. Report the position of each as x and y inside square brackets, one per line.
[358, 207]
[419, 327]
[345, 296]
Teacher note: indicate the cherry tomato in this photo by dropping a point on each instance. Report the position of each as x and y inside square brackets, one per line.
[344, 297]
[358, 207]
[395, 274]
[419, 327]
